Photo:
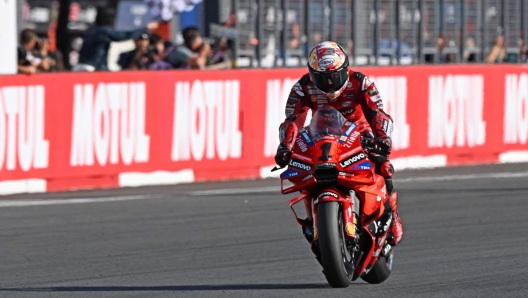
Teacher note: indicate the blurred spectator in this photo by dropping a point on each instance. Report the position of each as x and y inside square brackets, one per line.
[156, 53]
[96, 40]
[523, 51]
[443, 57]
[53, 58]
[136, 59]
[497, 53]
[192, 54]
[27, 63]
[470, 54]
[222, 57]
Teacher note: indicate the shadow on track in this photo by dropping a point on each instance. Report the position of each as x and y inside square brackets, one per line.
[172, 288]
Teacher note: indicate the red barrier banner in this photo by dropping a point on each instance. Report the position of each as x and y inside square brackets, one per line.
[86, 130]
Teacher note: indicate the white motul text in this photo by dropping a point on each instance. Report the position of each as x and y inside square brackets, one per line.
[109, 124]
[22, 126]
[206, 121]
[456, 106]
[516, 109]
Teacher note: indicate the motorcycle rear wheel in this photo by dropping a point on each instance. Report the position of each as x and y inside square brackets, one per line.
[336, 260]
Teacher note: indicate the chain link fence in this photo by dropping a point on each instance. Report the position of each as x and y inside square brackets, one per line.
[279, 33]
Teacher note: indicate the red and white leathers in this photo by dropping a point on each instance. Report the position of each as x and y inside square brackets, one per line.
[359, 102]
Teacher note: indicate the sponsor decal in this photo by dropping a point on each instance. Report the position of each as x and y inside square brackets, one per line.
[348, 112]
[351, 95]
[353, 159]
[329, 52]
[289, 174]
[292, 99]
[385, 125]
[313, 98]
[298, 89]
[346, 104]
[314, 91]
[349, 85]
[326, 165]
[327, 194]
[322, 101]
[306, 137]
[289, 112]
[307, 178]
[301, 145]
[351, 139]
[363, 166]
[302, 157]
[373, 92]
[375, 98]
[515, 129]
[347, 132]
[326, 62]
[299, 165]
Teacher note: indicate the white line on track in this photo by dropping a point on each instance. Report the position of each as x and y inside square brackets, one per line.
[25, 203]
[228, 191]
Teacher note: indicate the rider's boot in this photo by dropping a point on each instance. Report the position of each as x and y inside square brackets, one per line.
[395, 230]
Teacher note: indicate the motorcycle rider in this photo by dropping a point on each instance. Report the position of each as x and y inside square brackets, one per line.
[331, 82]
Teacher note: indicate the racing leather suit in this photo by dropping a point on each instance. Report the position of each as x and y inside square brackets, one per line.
[360, 103]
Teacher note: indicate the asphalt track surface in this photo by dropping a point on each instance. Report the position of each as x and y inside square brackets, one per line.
[466, 235]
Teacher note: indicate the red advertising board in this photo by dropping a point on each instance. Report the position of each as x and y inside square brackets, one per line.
[84, 130]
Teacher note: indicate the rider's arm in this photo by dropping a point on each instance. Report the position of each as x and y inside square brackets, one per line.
[296, 110]
[372, 105]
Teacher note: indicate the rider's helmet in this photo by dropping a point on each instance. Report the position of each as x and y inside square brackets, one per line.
[328, 66]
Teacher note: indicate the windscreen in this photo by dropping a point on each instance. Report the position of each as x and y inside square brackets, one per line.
[326, 121]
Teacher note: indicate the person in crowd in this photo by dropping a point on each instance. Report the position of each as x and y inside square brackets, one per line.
[156, 53]
[222, 55]
[469, 50]
[136, 59]
[194, 52]
[441, 45]
[497, 53]
[523, 51]
[42, 50]
[27, 62]
[330, 78]
[97, 39]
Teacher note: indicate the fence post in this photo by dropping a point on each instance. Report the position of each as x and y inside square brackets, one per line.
[420, 33]
[483, 31]
[398, 33]
[462, 29]
[376, 33]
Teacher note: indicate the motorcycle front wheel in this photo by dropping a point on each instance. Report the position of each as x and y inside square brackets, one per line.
[335, 257]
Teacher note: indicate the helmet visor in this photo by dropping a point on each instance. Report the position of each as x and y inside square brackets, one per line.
[329, 81]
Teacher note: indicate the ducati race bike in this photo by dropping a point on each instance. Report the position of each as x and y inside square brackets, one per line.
[346, 202]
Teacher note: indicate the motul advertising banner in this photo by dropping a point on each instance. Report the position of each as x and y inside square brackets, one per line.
[86, 130]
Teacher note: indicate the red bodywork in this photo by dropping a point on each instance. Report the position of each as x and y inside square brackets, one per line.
[332, 168]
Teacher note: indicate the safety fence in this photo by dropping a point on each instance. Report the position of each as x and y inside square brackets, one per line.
[92, 130]
[377, 32]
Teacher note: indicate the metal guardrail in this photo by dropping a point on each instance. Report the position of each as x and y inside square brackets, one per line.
[377, 32]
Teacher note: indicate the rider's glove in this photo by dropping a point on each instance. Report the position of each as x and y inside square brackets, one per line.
[384, 145]
[283, 155]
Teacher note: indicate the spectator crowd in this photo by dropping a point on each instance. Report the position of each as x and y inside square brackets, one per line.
[152, 52]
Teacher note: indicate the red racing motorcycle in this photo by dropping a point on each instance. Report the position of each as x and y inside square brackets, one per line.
[346, 202]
